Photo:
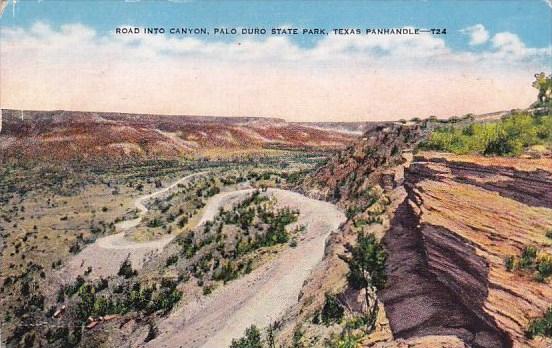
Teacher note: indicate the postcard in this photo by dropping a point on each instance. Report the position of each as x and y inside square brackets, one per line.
[276, 174]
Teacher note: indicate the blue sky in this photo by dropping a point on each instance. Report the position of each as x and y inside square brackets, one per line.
[65, 55]
[529, 19]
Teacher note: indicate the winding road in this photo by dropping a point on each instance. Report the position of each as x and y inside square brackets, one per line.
[106, 254]
[258, 298]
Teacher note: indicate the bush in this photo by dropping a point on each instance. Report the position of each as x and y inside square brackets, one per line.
[252, 339]
[171, 260]
[531, 260]
[332, 312]
[126, 269]
[544, 268]
[542, 326]
[226, 272]
[346, 340]
[510, 263]
[368, 258]
[367, 272]
[527, 258]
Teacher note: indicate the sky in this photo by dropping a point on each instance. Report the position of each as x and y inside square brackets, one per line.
[67, 55]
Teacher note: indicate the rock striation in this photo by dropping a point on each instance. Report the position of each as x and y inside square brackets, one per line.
[471, 215]
[451, 223]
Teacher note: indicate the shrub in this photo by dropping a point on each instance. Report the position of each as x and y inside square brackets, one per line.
[297, 339]
[510, 263]
[367, 265]
[171, 260]
[332, 312]
[527, 258]
[367, 272]
[252, 339]
[541, 326]
[207, 289]
[226, 272]
[126, 269]
[531, 260]
[346, 340]
[544, 268]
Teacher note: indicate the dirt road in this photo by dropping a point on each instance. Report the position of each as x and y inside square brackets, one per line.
[260, 297]
[106, 254]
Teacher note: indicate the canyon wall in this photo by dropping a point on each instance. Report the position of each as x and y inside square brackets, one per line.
[462, 217]
[450, 224]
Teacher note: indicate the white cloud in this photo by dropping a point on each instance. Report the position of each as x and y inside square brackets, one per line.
[509, 48]
[340, 77]
[478, 34]
[509, 43]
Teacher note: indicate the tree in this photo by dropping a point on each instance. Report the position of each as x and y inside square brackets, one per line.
[252, 339]
[544, 84]
[126, 269]
[367, 272]
[332, 310]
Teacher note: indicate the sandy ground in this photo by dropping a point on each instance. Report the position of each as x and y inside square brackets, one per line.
[260, 297]
[222, 200]
[107, 253]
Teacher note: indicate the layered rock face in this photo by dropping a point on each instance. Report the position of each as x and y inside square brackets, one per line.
[417, 302]
[362, 164]
[451, 223]
[462, 218]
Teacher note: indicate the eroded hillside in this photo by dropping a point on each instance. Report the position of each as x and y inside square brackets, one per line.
[468, 241]
[66, 135]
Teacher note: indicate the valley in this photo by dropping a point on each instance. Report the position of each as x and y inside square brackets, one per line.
[248, 232]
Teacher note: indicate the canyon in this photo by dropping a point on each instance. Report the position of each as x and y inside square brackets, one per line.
[451, 223]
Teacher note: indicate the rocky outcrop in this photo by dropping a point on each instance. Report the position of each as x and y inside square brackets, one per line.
[473, 214]
[456, 219]
[524, 180]
[363, 164]
[416, 301]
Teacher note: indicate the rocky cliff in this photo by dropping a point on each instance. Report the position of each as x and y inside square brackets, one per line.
[363, 164]
[470, 213]
[448, 227]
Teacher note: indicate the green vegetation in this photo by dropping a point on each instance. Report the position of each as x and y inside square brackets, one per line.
[367, 272]
[531, 260]
[346, 340]
[543, 84]
[507, 137]
[541, 326]
[126, 269]
[220, 250]
[52, 210]
[332, 312]
[252, 339]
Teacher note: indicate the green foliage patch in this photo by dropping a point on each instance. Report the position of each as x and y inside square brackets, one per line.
[541, 326]
[507, 137]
